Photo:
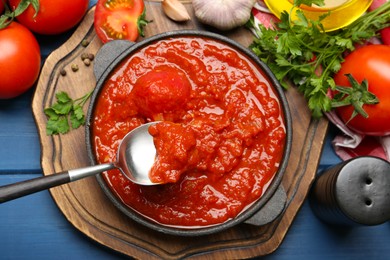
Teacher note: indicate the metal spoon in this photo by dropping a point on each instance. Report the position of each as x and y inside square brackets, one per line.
[135, 158]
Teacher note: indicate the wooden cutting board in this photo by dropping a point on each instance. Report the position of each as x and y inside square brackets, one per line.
[84, 204]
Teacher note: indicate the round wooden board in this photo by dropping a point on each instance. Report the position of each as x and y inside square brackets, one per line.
[84, 204]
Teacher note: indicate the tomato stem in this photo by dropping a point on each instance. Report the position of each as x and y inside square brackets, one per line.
[142, 22]
[9, 15]
[357, 95]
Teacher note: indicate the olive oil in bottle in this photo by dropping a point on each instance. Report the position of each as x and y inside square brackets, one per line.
[342, 12]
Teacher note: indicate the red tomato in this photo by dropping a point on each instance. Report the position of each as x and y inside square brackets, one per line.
[119, 19]
[161, 90]
[20, 60]
[1, 7]
[385, 35]
[370, 62]
[54, 17]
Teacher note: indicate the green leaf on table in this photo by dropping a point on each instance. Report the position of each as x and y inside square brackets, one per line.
[59, 126]
[77, 118]
[51, 114]
[65, 114]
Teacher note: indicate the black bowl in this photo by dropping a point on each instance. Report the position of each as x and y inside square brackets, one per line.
[261, 212]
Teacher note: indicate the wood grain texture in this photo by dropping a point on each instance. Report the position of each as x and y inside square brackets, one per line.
[84, 204]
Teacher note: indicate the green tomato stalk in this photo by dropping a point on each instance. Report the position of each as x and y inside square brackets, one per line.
[10, 15]
[357, 95]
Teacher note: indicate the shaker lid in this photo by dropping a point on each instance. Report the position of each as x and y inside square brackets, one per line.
[363, 190]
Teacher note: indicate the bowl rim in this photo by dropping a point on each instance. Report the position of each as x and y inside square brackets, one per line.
[246, 213]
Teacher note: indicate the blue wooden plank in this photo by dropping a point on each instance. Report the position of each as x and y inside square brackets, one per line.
[34, 227]
[19, 141]
[329, 157]
[310, 238]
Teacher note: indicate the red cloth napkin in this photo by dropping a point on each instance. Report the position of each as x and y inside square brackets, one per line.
[347, 144]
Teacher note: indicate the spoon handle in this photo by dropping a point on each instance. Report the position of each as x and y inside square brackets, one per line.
[20, 189]
[23, 188]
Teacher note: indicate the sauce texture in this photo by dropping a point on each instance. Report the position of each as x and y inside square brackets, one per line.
[221, 138]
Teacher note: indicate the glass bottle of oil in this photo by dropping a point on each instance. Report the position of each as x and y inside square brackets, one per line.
[342, 12]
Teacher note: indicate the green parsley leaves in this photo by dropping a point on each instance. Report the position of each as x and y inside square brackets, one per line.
[65, 114]
[302, 53]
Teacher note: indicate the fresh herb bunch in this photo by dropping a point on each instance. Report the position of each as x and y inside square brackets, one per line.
[65, 113]
[301, 52]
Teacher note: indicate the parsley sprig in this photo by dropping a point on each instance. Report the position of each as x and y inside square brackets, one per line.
[301, 52]
[65, 114]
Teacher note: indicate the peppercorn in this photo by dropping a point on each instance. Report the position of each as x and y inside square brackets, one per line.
[84, 56]
[87, 62]
[91, 56]
[75, 67]
[85, 43]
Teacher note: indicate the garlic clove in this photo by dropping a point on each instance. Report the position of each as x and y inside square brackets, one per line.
[175, 10]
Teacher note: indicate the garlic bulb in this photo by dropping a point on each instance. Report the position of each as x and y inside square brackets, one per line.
[223, 14]
[175, 10]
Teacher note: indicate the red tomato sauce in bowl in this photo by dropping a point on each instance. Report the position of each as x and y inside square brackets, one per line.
[221, 138]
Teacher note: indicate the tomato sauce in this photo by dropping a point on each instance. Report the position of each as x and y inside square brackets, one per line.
[221, 138]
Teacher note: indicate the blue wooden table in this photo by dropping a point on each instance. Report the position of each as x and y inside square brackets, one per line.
[34, 228]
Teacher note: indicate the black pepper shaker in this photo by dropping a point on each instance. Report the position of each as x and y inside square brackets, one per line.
[354, 192]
